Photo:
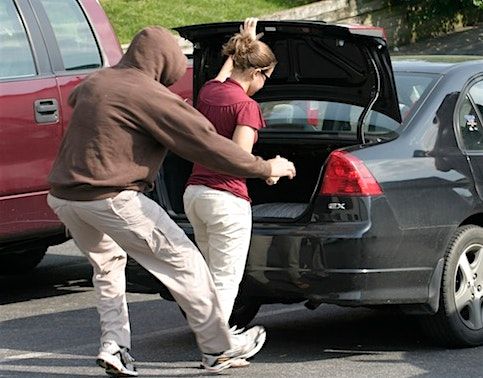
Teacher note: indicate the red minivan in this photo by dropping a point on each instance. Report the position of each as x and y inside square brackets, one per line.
[46, 48]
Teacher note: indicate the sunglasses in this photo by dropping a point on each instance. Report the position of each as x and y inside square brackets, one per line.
[265, 76]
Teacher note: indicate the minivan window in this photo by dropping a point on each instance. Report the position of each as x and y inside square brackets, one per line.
[17, 59]
[74, 35]
[326, 117]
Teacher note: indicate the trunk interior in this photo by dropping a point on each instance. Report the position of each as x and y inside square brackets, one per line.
[286, 201]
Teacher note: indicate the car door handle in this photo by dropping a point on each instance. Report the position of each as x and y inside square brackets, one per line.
[46, 110]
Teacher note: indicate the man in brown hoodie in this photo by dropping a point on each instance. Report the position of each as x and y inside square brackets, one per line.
[124, 121]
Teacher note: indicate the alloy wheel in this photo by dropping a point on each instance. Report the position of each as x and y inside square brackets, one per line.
[468, 291]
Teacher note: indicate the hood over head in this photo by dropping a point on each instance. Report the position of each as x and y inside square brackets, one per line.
[155, 51]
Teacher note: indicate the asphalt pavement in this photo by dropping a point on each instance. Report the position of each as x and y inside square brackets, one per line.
[49, 328]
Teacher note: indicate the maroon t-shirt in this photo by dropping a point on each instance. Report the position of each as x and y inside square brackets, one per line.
[226, 105]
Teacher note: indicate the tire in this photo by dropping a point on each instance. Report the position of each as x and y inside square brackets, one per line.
[459, 320]
[19, 262]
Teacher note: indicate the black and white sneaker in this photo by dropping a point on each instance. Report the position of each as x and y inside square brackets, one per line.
[116, 360]
[244, 345]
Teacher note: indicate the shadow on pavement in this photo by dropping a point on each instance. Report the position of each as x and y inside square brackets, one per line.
[72, 275]
[360, 336]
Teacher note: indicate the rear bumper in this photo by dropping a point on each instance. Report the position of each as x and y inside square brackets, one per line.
[343, 287]
[349, 264]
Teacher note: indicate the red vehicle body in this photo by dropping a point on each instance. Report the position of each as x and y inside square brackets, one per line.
[46, 49]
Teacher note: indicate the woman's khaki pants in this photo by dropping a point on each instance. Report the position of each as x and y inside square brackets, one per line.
[222, 223]
[105, 230]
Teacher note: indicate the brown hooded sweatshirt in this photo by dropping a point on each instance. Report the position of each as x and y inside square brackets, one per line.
[125, 119]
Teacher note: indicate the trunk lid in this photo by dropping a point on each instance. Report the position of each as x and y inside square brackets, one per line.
[317, 60]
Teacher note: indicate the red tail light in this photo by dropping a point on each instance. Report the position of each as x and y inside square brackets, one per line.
[346, 175]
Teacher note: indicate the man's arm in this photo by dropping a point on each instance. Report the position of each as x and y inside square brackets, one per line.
[186, 132]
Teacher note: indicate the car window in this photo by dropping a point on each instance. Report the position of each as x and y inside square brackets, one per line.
[15, 51]
[326, 117]
[321, 116]
[470, 118]
[74, 35]
[411, 89]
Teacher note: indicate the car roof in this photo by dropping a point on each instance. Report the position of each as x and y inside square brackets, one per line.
[438, 64]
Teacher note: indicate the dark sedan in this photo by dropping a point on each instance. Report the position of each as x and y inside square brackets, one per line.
[386, 208]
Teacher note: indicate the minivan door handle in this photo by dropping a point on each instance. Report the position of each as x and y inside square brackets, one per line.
[46, 110]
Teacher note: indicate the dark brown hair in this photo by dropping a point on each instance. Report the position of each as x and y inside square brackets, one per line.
[248, 53]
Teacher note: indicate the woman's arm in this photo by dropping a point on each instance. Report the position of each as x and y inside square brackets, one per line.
[225, 71]
[244, 136]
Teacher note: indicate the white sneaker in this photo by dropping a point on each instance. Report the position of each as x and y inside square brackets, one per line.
[244, 345]
[248, 343]
[236, 331]
[240, 362]
[116, 360]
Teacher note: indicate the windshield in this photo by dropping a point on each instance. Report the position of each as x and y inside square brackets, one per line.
[325, 117]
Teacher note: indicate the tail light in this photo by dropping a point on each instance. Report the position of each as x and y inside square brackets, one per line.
[346, 175]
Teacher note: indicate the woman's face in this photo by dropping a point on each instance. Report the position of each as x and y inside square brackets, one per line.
[258, 79]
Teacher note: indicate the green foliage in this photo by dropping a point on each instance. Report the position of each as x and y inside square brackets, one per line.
[433, 17]
[439, 7]
[129, 16]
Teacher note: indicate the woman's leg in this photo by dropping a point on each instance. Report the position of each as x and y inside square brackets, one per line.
[228, 222]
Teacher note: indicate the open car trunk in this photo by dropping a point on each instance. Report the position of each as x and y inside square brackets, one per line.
[288, 200]
[332, 85]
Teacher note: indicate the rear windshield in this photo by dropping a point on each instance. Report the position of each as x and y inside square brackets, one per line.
[325, 117]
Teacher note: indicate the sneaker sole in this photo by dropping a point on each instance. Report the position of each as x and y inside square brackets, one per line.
[239, 363]
[219, 368]
[109, 364]
[234, 364]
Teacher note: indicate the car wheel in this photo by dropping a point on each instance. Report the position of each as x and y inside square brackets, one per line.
[18, 262]
[244, 310]
[459, 320]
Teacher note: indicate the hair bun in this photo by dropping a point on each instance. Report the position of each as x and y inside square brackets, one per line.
[248, 53]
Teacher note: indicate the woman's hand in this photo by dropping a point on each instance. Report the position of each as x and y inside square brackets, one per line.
[250, 27]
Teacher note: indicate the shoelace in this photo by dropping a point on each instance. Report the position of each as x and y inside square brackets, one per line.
[126, 357]
[236, 331]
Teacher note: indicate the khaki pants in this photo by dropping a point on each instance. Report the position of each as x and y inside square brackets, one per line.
[105, 230]
[222, 224]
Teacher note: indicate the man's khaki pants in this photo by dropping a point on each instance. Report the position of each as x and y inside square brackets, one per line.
[104, 230]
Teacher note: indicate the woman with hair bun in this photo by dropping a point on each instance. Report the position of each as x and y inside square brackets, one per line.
[217, 204]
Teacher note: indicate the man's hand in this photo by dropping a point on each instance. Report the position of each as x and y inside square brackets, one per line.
[281, 167]
[250, 27]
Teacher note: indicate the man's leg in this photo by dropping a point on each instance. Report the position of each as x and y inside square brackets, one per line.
[108, 261]
[143, 229]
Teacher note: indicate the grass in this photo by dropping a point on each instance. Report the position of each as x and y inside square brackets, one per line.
[129, 16]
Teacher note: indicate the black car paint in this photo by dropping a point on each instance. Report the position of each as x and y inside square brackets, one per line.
[393, 254]
[387, 249]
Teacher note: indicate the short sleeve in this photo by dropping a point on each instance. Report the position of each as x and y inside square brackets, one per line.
[250, 114]
[207, 87]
